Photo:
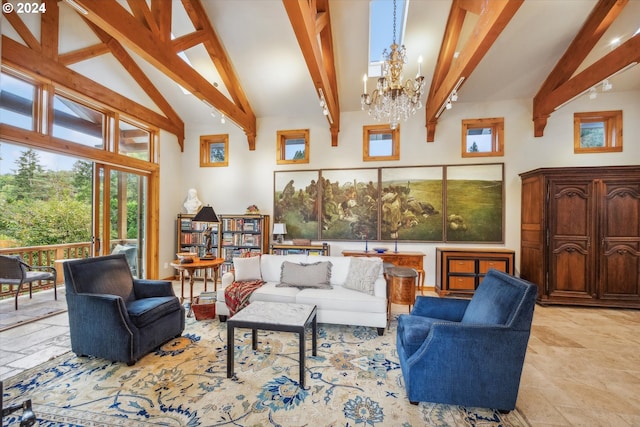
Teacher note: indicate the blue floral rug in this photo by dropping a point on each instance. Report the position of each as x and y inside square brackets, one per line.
[355, 380]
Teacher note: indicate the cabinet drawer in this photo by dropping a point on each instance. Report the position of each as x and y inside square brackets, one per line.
[462, 266]
[499, 264]
[465, 283]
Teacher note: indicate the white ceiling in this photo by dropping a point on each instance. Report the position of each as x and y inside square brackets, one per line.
[268, 61]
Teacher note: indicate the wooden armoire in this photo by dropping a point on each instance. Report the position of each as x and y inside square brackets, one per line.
[580, 235]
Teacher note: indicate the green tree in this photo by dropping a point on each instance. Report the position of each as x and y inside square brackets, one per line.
[83, 180]
[63, 220]
[299, 155]
[29, 183]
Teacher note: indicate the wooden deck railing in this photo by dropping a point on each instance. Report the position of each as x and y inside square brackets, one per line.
[44, 256]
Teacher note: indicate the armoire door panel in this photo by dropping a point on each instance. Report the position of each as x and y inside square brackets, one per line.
[620, 272]
[571, 209]
[570, 270]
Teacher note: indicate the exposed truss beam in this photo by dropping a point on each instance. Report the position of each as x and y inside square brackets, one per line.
[140, 77]
[602, 16]
[121, 25]
[311, 22]
[220, 59]
[20, 56]
[495, 16]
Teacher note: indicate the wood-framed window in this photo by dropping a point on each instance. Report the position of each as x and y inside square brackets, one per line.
[597, 132]
[380, 142]
[292, 146]
[483, 137]
[214, 150]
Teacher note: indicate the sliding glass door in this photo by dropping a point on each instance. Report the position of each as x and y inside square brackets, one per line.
[120, 215]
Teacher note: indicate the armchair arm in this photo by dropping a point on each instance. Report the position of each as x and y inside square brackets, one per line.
[144, 288]
[484, 354]
[451, 309]
[100, 324]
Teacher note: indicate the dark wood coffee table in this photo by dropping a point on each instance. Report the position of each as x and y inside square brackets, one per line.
[273, 316]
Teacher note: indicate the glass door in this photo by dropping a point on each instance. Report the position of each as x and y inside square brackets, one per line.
[120, 215]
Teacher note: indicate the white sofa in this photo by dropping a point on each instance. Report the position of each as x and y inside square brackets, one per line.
[337, 305]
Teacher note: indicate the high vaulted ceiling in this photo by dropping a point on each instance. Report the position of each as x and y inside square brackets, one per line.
[262, 58]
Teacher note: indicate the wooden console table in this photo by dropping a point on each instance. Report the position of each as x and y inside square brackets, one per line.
[413, 260]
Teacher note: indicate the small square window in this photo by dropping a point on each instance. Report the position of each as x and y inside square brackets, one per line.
[483, 137]
[380, 142]
[214, 150]
[293, 146]
[597, 132]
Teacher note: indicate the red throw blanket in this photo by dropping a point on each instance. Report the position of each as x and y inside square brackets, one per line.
[237, 294]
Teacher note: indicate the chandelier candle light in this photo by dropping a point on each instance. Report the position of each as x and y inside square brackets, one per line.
[393, 100]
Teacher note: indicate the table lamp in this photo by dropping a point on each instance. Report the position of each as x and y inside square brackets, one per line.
[207, 214]
[279, 229]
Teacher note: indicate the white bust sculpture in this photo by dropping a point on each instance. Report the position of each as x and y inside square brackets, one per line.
[192, 204]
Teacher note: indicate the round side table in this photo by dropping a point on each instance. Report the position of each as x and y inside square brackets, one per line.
[402, 284]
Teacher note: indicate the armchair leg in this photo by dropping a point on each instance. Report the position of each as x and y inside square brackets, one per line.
[380, 332]
[414, 403]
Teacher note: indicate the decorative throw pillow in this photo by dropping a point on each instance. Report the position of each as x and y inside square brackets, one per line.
[316, 275]
[362, 274]
[247, 268]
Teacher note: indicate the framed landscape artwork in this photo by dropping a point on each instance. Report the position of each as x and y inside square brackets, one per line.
[446, 203]
[474, 203]
[411, 203]
[296, 203]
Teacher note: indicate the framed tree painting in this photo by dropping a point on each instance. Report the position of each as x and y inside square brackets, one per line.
[475, 203]
[411, 204]
[349, 208]
[296, 203]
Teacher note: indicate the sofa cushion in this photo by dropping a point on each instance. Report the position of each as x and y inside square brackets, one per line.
[247, 268]
[339, 266]
[363, 273]
[145, 311]
[342, 299]
[413, 330]
[270, 292]
[271, 265]
[316, 275]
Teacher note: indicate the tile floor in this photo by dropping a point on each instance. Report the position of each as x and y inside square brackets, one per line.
[582, 366]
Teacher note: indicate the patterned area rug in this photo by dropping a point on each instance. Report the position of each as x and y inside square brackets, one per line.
[355, 380]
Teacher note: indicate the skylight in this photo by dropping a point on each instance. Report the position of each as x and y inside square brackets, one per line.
[381, 30]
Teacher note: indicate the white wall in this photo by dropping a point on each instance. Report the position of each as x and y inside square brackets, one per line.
[249, 177]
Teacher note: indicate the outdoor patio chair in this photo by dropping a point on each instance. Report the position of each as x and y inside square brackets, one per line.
[14, 271]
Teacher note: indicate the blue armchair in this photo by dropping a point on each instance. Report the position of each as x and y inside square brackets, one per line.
[114, 316]
[468, 352]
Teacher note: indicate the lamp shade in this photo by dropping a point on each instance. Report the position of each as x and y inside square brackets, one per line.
[206, 214]
[279, 228]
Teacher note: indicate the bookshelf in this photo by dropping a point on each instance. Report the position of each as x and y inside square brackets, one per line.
[322, 249]
[239, 234]
[190, 235]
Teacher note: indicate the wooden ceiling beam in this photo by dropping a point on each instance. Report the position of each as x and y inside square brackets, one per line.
[23, 31]
[218, 55]
[83, 54]
[600, 19]
[21, 57]
[143, 15]
[162, 16]
[49, 29]
[495, 16]
[306, 18]
[140, 77]
[118, 22]
[623, 56]
[188, 41]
